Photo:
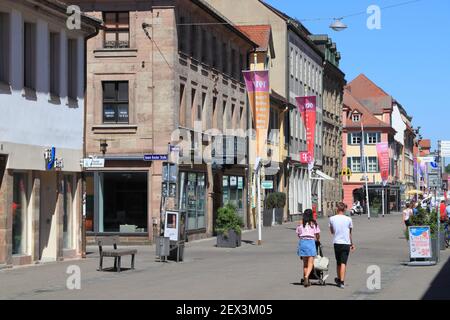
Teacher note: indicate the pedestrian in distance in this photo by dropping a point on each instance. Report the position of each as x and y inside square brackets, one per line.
[443, 212]
[407, 213]
[308, 232]
[415, 208]
[341, 227]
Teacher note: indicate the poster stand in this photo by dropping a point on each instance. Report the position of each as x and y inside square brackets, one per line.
[420, 248]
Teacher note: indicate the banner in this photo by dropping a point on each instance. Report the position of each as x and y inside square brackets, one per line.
[384, 160]
[258, 89]
[307, 108]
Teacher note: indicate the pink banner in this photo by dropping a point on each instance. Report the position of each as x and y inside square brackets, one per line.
[384, 160]
[307, 108]
[257, 83]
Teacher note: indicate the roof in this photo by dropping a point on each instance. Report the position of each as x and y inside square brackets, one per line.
[261, 35]
[425, 144]
[227, 23]
[369, 94]
[295, 26]
[368, 119]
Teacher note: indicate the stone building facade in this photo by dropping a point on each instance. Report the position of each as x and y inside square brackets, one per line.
[333, 98]
[164, 73]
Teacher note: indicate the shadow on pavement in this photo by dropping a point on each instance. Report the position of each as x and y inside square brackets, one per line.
[440, 287]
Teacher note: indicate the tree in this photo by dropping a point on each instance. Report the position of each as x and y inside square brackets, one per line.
[447, 169]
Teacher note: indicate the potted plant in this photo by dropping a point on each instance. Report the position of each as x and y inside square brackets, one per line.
[228, 227]
[274, 210]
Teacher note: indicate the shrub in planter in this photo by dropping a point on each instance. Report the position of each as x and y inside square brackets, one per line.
[276, 201]
[228, 227]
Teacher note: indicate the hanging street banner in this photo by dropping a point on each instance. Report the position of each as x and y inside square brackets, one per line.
[384, 161]
[307, 108]
[258, 89]
[420, 243]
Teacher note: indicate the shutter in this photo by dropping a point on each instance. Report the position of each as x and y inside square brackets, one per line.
[349, 138]
[378, 137]
[349, 163]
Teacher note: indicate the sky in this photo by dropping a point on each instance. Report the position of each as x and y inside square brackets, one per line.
[409, 57]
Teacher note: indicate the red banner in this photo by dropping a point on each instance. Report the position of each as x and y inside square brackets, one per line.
[384, 160]
[307, 108]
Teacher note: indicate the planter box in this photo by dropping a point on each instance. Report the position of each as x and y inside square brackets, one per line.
[267, 217]
[434, 249]
[232, 241]
[279, 215]
[442, 240]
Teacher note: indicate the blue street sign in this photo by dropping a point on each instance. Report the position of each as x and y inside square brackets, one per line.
[156, 157]
[51, 161]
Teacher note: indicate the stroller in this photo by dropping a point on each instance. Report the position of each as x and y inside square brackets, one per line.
[321, 264]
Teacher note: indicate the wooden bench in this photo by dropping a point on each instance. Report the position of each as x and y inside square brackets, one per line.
[115, 253]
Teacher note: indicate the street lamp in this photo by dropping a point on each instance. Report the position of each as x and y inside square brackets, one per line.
[338, 25]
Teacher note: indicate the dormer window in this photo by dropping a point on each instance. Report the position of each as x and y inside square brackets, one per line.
[356, 117]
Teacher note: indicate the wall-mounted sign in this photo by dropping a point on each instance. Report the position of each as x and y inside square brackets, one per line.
[156, 157]
[445, 149]
[419, 242]
[267, 185]
[93, 163]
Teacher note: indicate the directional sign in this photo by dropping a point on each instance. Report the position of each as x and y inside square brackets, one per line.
[445, 149]
[156, 157]
[93, 163]
[267, 185]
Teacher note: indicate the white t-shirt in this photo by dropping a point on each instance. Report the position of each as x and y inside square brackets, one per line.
[341, 225]
[407, 213]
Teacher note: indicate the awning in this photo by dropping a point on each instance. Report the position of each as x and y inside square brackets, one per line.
[319, 175]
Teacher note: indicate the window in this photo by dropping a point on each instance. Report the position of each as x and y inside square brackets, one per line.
[373, 138]
[4, 44]
[214, 105]
[372, 164]
[355, 138]
[201, 107]
[29, 54]
[241, 117]
[224, 115]
[193, 109]
[354, 163]
[193, 198]
[233, 64]
[241, 67]
[224, 58]
[115, 102]
[233, 192]
[19, 208]
[117, 32]
[204, 48]
[356, 117]
[182, 111]
[54, 63]
[215, 59]
[296, 65]
[182, 35]
[72, 68]
[233, 116]
[193, 41]
[292, 62]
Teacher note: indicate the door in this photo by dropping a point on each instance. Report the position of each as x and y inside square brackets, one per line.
[48, 218]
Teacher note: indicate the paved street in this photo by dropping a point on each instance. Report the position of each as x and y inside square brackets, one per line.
[271, 271]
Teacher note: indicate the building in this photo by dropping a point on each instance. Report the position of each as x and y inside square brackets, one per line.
[296, 71]
[333, 98]
[161, 74]
[41, 131]
[366, 103]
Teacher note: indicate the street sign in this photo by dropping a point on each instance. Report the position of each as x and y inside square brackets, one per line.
[93, 163]
[156, 157]
[267, 185]
[445, 149]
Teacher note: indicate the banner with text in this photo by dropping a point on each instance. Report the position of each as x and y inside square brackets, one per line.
[307, 108]
[258, 89]
[384, 160]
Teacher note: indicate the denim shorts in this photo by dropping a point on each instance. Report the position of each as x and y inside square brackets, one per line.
[307, 248]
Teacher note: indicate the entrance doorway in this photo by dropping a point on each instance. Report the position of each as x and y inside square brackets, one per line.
[48, 218]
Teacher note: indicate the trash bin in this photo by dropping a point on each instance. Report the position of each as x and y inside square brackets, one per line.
[176, 247]
[162, 247]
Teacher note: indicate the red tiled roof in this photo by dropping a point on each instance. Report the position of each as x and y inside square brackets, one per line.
[425, 144]
[370, 95]
[368, 119]
[259, 34]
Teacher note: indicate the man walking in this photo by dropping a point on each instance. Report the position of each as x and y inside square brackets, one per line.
[341, 228]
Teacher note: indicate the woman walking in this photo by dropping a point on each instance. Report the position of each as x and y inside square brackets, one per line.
[308, 232]
[407, 213]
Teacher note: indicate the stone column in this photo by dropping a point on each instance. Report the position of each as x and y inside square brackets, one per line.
[35, 214]
[6, 195]
[59, 217]
[210, 201]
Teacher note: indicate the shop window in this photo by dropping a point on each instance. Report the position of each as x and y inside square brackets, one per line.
[233, 192]
[115, 102]
[193, 199]
[19, 210]
[89, 222]
[117, 32]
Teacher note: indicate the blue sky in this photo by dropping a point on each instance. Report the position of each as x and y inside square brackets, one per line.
[408, 57]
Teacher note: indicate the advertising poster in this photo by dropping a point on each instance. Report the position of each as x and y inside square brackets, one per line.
[384, 160]
[171, 225]
[257, 84]
[419, 242]
[307, 108]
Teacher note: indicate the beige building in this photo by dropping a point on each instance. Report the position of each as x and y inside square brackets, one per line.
[41, 131]
[333, 99]
[164, 72]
